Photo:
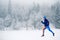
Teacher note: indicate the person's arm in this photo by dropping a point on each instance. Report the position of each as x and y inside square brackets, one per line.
[42, 22]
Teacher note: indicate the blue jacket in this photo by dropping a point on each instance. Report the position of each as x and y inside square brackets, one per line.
[46, 22]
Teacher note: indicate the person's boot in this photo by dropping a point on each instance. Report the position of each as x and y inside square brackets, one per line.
[53, 34]
[42, 35]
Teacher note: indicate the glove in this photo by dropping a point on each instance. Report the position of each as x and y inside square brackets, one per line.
[41, 21]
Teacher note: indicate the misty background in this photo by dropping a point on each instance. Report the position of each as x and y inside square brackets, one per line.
[27, 14]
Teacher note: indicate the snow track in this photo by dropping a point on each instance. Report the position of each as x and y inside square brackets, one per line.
[29, 35]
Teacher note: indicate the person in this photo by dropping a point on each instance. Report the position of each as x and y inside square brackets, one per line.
[46, 26]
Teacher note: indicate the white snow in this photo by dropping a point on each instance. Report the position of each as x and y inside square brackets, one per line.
[29, 35]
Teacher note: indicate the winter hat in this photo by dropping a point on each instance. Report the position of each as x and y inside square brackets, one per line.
[44, 17]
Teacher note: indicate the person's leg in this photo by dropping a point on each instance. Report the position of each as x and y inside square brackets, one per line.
[43, 31]
[50, 30]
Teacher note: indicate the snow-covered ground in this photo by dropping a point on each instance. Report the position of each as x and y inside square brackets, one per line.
[29, 35]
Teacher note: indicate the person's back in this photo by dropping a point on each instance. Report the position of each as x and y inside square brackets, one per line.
[46, 22]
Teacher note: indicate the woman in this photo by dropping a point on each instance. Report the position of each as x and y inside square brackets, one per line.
[46, 26]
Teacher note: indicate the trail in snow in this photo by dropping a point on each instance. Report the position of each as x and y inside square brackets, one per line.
[29, 35]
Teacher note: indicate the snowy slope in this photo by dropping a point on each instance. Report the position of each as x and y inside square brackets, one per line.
[29, 35]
